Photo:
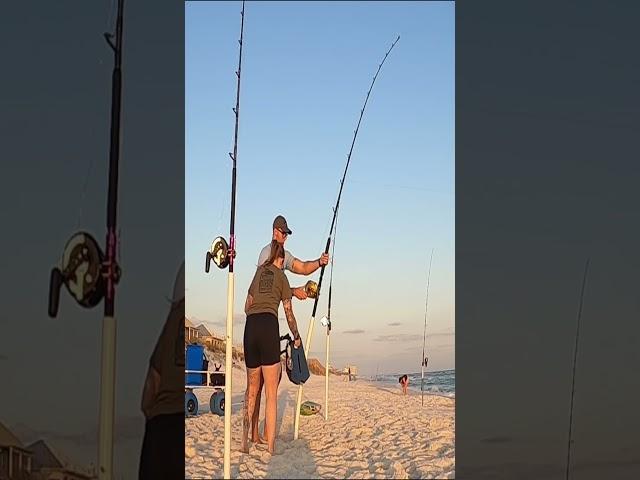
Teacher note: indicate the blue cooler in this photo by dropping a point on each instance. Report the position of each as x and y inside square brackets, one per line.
[195, 360]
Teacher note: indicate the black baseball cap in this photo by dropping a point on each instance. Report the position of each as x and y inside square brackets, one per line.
[281, 224]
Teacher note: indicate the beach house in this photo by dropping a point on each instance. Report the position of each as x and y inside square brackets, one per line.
[49, 464]
[15, 458]
[204, 335]
[190, 331]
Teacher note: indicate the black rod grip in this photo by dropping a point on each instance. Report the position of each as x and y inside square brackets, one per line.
[208, 262]
[55, 283]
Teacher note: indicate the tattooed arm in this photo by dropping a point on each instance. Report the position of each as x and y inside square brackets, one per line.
[291, 320]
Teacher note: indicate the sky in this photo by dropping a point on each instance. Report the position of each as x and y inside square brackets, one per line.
[306, 69]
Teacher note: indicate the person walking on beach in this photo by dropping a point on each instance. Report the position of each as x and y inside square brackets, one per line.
[261, 341]
[404, 383]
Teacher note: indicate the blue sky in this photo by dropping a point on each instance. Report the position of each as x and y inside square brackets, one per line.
[306, 70]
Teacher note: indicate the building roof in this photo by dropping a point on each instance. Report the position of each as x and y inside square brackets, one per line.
[188, 323]
[8, 439]
[204, 331]
[48, 457]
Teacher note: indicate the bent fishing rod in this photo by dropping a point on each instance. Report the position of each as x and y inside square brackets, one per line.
[223, 255]
[333, 222]
[425, 360]
[90, 275]
[575, 359]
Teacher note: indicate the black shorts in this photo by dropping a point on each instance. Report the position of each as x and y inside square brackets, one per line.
[261, 340]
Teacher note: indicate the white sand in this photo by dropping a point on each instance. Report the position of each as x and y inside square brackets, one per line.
[372, 432]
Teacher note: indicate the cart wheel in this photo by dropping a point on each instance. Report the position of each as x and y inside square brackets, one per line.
[190, 404]
[216, 403]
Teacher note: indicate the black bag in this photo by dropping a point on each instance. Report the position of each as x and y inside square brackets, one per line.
[296, 362]
[217, 379]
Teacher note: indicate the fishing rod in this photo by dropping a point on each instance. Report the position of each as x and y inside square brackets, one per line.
[223, 255]
[307, 345]
[425, 360]
[575, 358]
[326, 322]
[91, 275]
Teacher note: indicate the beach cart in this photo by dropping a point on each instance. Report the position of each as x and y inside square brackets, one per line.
[197, 376]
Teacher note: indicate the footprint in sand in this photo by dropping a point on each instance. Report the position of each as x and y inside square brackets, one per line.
[327, 471]
[265, 457]
[340, 473]
[397, 471]
[359, 475]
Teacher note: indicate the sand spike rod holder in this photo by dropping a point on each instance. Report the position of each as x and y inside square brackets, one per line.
[307, 345]
[91, 275]
[223, 255]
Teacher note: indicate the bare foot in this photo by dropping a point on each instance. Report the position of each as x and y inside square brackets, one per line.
[244, 447]
[260, 441]
[274, 450]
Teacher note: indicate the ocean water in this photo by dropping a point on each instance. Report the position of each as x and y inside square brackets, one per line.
[439, 383]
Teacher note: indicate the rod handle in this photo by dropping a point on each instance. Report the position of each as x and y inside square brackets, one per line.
[208, 262]
[55, 282]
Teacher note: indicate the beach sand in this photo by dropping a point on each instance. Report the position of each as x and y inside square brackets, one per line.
[372, 432]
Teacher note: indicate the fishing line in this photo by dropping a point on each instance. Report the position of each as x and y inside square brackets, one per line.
[333, 256]
[325, 231]
[575, 359]
[110, 27]
[424, 360]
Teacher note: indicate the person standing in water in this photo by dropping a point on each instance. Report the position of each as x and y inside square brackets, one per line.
[404, 383]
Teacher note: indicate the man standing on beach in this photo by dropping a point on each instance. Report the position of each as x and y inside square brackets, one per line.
[281, 232]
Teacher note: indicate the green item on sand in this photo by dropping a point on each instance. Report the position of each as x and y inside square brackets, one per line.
[310, 408]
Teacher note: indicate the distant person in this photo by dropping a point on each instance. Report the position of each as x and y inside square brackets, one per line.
[261, 342]
[404, 383]
[281, 232]
[163, 397]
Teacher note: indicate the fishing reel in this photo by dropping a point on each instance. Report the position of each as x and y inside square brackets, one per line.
[311, 289]
[220, 253]
[325, 322]
[82, 271]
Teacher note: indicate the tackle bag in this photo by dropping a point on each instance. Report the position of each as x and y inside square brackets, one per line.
[295, 361]
[216, 379]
